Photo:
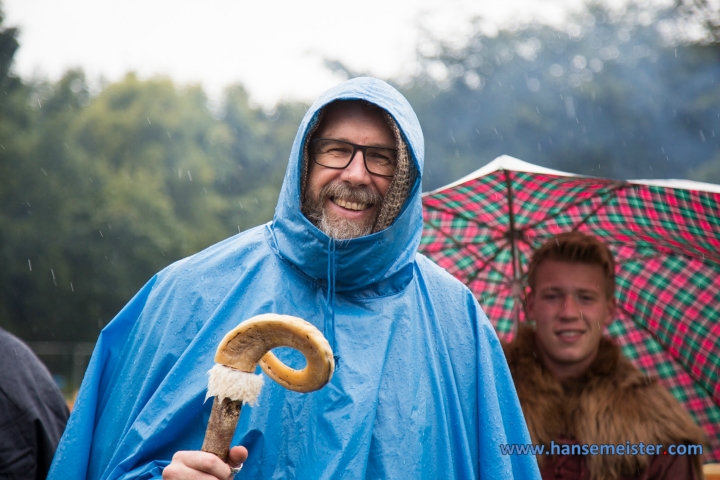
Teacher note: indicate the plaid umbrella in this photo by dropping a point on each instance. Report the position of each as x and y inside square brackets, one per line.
[665, 236]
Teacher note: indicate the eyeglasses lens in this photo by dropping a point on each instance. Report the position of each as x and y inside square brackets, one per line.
[338, 154]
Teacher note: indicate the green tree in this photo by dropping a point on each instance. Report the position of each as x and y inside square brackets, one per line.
[609, 95]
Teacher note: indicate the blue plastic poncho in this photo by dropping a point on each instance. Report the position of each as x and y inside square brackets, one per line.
[421, 390]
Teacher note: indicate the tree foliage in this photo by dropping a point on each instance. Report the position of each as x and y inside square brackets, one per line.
[103, 192]
[610, 95]
[100, 191]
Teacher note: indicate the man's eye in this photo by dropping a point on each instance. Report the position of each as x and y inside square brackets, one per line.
[340, 151]
[380, 158]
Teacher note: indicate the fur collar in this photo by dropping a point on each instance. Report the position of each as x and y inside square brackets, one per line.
[612, 402]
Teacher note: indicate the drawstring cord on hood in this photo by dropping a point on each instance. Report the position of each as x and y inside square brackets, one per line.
[330, 317]
[396, 196]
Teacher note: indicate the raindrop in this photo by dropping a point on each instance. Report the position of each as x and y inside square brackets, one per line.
[148, 119]
[596, 65]
[570, 107]
[702, 136]
[579, 62]
[533, 84]
[101, 235]
[29, 265]
[473, 80]
[42, 170]
[52, 273]
[72, 289]
[189, 176]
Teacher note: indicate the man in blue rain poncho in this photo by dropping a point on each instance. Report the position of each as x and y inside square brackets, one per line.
[421, 388]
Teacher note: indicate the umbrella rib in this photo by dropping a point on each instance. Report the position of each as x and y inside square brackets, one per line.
[671, 250]
[512, 235]
[460, 245]
[602, 204]
[511, 218]
[462, 215]
[633, 258]
[615, 186]
[487, 263]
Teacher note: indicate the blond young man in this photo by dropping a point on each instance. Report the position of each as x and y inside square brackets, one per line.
[575, 387]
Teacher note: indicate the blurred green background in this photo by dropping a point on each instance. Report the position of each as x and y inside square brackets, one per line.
[98, 191]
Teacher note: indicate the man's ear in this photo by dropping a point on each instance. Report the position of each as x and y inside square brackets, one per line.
[612, 310]
[529, 305]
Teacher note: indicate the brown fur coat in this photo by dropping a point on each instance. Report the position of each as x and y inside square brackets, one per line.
[611, 403]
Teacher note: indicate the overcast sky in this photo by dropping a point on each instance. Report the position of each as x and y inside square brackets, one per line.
[275, 48]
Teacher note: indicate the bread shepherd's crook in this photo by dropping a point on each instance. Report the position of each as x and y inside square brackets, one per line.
[233, 380]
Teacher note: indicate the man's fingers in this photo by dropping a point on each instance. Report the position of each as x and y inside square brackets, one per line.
[237, 456]
[196, 466]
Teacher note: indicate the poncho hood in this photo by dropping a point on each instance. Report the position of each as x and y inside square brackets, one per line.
[376, 264]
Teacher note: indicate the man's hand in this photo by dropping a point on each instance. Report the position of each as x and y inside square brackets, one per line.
[195, 465]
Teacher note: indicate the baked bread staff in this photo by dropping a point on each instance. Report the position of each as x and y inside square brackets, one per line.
[233, 382]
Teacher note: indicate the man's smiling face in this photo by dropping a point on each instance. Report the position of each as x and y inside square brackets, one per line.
[570, 308]
[344, 203]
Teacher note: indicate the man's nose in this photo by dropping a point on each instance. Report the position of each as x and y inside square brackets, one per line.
[570, 308]
[356, 173]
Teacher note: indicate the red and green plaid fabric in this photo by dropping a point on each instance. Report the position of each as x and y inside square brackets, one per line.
[666, 242]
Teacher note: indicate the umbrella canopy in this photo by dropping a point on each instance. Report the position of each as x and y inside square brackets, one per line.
[665, 235]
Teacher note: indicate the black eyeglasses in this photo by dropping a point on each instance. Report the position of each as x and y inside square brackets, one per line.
[337, 154]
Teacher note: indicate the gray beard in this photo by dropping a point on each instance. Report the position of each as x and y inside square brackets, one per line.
[338, 227]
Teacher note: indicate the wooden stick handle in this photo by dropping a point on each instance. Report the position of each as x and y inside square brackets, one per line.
[221, 427]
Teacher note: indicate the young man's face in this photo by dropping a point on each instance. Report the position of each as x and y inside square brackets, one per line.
[570, 308]
[345, 203]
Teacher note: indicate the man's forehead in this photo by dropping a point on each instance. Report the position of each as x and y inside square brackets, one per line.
[569, 275]
[341, 108]
[353, 113]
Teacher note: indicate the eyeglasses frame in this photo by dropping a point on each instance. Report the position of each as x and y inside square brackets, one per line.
[356, 147]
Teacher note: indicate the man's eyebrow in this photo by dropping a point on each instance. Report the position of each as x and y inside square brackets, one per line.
[347, 140]
[551, 287]
[585, 290]
[554, 288]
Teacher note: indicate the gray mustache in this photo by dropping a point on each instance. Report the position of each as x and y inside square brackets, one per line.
[342, 191]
